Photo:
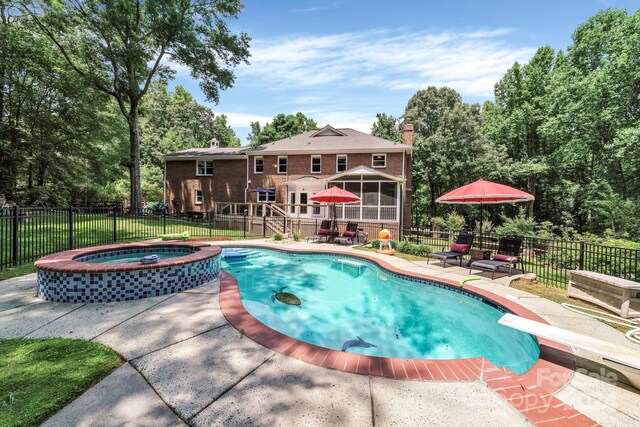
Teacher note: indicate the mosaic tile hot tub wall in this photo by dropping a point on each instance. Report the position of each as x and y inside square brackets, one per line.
[125, 285]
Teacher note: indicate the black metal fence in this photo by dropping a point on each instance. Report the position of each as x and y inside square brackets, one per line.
[29, 233]
[549, 259]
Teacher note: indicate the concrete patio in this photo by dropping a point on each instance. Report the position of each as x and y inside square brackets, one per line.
[185, 365]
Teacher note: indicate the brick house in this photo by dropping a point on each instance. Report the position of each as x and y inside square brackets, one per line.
[289, 171]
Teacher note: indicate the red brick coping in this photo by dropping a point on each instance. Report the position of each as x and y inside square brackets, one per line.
[531, 393]
[64, 262]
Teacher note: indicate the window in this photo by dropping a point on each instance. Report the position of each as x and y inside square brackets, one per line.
[204, 168]
[258, 164]
[292, 202]
[316, 164]
[198, 198]
[379, 160]
[267, 197]
[341, 163]
[282, 164]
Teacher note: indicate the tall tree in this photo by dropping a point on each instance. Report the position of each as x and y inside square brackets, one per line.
[119, 48]
[282, 126]
[387, 127]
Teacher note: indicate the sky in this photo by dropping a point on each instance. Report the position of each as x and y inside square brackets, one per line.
[342, 61]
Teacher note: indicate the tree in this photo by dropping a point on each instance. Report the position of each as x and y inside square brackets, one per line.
[387, 127]
[282, 126]
[120, 48]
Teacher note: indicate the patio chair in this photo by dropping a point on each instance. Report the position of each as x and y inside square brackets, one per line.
[349, 235]
[508, 254]
[457, 249]
[324, 232]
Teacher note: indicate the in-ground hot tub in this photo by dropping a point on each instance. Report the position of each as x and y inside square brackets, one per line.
[114, 273]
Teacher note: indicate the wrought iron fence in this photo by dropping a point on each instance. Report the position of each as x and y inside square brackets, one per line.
[549, 259]
[29, 233]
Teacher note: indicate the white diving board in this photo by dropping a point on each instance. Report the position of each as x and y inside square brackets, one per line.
[623, 359]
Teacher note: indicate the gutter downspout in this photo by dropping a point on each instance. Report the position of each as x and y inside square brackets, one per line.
[164, 184]
[246, 190]
[402, 194]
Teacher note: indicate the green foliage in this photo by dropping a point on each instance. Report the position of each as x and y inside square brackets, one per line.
[410, 248]
[40, 376]
[375, 243]
[438, 223]
[387, 127]
[454, 221]
[277, 236]
[296, 237]
[282, 126]
[520, 225]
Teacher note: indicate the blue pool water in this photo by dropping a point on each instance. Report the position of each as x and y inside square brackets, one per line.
[135, 256]
[341, 301]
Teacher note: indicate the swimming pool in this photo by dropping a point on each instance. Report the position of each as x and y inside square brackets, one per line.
[342, 302]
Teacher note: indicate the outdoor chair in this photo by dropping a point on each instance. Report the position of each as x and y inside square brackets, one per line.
[508, 254]
[324, 232]
[457, 249]
[349, 236]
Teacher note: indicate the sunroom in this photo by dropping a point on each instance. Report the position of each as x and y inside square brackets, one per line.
[379, 194]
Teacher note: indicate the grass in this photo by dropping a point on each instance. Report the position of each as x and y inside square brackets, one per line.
[39, 376]
[20, 270]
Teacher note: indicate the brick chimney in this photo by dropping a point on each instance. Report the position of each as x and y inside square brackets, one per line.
[407, 134]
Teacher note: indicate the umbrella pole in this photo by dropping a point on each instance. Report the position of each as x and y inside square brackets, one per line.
[480, 225]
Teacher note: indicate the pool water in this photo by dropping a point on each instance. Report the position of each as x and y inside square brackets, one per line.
[135, 256]
[343, 298]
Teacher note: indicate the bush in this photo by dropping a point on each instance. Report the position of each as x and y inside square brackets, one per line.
[410, 248]
[454, 222]
[518, 226]
[296, 237]
[277, 236]
[438, 223]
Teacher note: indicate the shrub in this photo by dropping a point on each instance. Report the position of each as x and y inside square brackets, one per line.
[410, 248]
[454, 222]
[375, 244]
[518, 226]
[277, 236]
[296, 237]
[438, 223]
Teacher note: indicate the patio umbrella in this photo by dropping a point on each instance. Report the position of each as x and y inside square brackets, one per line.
[335, 195]
[484, 192]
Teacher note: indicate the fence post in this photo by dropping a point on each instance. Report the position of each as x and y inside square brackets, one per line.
[115, 225]
[244, 223]
[581, 258]
[164, 222]
[14, 246]
[70, 227]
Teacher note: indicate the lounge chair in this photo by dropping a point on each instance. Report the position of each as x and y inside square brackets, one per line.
[457, 249]
[622, 359]
[508, 254]
[349, 235]
[324, 232]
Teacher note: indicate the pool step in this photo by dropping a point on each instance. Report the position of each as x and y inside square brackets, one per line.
[354, 265]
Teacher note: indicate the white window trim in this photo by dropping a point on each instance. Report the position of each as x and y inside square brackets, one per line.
[318, 157]
[346, 163]
[205, 168]
[278, 164]
[195, 197]
[255, 160]
[385, 160]
[266, 197]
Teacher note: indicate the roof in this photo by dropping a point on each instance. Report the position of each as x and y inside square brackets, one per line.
[325, 140]
[329, 139]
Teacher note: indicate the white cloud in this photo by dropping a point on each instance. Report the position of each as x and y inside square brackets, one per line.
[470, 62]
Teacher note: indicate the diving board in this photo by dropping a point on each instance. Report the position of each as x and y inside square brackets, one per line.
[623, 359]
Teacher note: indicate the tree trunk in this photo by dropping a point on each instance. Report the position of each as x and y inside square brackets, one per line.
[134, 160]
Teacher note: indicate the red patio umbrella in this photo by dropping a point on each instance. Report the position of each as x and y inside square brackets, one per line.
[335, 195]
[484, 192]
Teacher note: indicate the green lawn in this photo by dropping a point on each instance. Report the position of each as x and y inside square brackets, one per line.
[20, 270]
[48, 232]
[40, 376]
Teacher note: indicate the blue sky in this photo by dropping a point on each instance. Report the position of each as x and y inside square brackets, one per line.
[341, 62]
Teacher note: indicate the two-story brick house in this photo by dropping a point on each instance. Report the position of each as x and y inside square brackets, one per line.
[291, 170]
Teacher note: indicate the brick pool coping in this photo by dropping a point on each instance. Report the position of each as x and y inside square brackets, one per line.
[531, 393]
[64, 262]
